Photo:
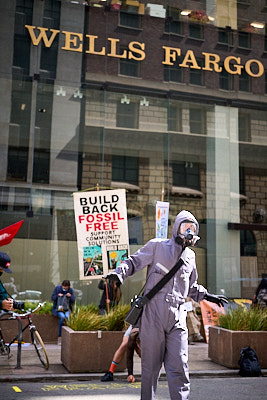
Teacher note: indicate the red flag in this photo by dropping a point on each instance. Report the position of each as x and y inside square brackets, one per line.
[7, 234]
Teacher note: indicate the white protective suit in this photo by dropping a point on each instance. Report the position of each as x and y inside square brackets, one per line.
[163, 331]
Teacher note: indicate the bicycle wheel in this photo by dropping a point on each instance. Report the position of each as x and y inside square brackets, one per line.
[40, 348]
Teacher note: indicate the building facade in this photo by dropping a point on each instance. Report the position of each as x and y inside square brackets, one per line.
[165, 99]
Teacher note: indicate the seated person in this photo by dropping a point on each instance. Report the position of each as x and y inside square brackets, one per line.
[63, 300]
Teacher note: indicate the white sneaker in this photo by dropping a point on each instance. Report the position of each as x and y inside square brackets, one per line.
[59, 341]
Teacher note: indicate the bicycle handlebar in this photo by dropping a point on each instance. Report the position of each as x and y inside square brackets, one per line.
[14, 315]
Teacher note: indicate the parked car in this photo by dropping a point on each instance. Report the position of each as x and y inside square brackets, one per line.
[32, 296]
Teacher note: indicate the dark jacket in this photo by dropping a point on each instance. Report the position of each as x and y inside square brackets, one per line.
[3, 295]
[102, 286]
[58, 289]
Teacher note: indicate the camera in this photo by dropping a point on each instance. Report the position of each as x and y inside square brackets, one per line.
[18, 305]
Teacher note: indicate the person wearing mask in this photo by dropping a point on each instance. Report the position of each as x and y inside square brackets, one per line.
[63, 300]
[163, 332]
[6, 302]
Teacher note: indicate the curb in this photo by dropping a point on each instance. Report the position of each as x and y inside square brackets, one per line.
[119, 376]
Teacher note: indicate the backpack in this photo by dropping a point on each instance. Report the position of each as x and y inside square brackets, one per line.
[63, 303]
[249, 363]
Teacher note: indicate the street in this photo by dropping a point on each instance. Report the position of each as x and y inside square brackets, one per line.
[236, 388]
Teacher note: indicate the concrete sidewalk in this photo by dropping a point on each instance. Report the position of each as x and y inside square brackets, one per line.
[31, 369]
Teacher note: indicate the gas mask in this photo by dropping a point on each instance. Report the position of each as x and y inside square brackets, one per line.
[187, 234]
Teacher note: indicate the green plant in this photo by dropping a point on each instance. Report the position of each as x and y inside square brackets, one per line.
[46, 309]
[89, 307]
[115, 318]
[241, 319]
[86, 319]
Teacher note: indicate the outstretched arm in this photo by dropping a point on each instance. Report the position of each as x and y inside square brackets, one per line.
[216, 298]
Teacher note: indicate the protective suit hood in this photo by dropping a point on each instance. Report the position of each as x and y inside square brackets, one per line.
[181, 217]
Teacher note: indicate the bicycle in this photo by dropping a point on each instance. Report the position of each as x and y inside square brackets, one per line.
[35, 336]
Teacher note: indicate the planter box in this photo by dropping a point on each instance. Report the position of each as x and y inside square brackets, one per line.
[225, 345]
[47, 326]
[90, 351]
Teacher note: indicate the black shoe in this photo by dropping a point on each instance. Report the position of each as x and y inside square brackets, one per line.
[108, 377]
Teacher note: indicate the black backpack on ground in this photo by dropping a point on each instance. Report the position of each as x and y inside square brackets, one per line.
[249, 363]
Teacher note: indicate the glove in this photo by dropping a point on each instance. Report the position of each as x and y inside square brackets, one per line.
[113, 277]
[216, 298]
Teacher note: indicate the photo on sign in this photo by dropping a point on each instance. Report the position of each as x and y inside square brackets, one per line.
[116, 257]
[92, 261]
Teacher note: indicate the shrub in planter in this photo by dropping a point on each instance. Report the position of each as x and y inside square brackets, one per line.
[241, 319]
[89, 340]
[236, 329]
[88, 319]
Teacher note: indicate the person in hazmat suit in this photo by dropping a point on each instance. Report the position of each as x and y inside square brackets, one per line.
[163, 332]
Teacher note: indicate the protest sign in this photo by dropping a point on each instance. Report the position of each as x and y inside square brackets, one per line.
[162, 215]
[102, 231]
[210, 311]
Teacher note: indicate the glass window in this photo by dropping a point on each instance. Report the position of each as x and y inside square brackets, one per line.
[197, 120]
[197, 75]
[173, 73]
[19, 130]
[17, 163]
[173, 27]
[265, 75]
[225, 36]
[128, 67]
[244, 82]
[175, 118]
[127, 114]
[186, 174]
[51, 20]
[243, 2]
[130, 20]
[244, 40]
[173, 23]
[22, 43]
[244, 131]
[125, 169]
[226, 80]
[196, 31]
[248, 245]
[41, 166]
[242, 178]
